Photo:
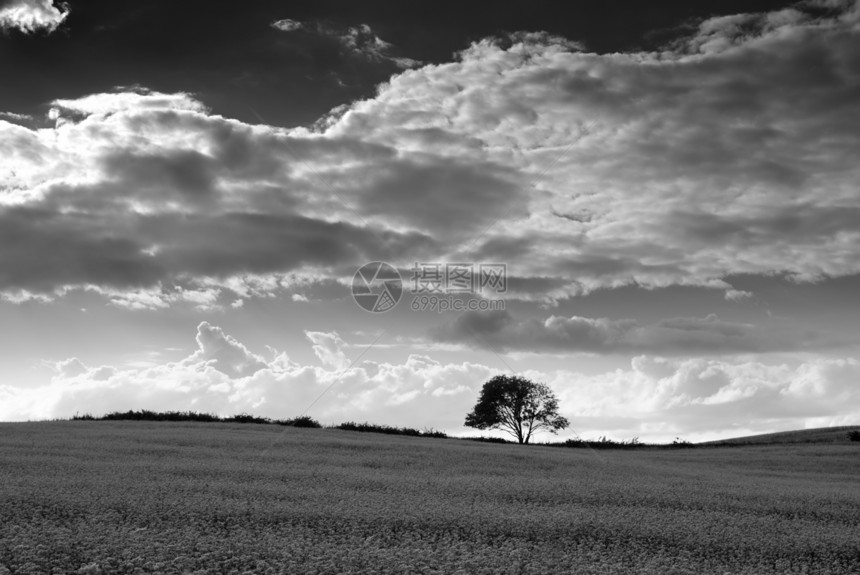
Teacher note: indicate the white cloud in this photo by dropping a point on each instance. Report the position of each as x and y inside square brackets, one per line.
[329, 349]
[15, 117]
[201, 298]
[738, 295]
[224, 377]
[674, 167]
[287, 25]
[22, 296]
[579, 170]
[140, 100]
[70, 368]
[31, 16]
[655, 398]
[702, 399]
[132, 190]
[363, 41]
[223, 353]
[360, 41]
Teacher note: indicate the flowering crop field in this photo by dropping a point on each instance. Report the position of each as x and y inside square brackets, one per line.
[155, 497]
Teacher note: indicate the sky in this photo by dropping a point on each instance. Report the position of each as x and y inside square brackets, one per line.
[363, 211]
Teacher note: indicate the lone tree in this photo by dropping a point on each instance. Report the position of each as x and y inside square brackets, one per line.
[516, 405]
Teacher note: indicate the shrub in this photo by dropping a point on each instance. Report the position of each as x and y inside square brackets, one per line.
[854, 435]
[573, 443]
[246, 418]
[602, 443]
[388, 429]
[373, 428]
[305, 421]
[488, 439]
[146, 415]
[681, 443]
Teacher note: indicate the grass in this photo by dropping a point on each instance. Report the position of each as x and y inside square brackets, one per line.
[192, 497]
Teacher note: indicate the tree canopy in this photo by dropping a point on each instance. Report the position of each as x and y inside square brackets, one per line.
[518, 406]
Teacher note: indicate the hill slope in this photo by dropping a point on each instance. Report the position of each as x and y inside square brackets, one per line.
[174, 497]
[817, 435]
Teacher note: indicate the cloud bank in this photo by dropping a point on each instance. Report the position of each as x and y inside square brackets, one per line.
[655, 398]
[731, 151]
[501, 331]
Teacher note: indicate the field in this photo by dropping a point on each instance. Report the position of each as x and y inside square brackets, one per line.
[820, 435]
[155, 497]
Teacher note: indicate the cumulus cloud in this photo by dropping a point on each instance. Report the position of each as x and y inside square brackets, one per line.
[31, 16]
[706, 398]
[70, 368]
[730, 152]
[708, 335]
[225, 377]
[222, 352]
[654, 398]
[134, 194]
[328, 347]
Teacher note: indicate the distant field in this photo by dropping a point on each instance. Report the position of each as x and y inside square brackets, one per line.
[154, 497]
[819, 435]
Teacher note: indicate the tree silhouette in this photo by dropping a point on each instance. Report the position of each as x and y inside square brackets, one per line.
[518, 406]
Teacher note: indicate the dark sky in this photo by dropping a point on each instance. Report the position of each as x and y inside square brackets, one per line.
[226, 53]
